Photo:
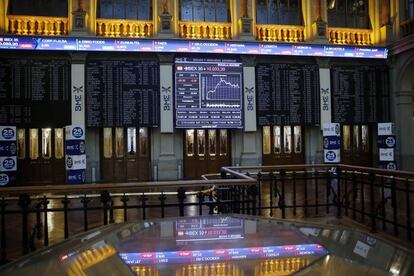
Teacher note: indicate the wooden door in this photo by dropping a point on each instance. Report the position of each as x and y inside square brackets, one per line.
[356, 145]
[125, 154]
[283, 145]
[205, 151]
[40, 153]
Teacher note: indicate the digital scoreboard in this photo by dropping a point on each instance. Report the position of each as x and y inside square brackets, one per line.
[208, 93]
[122, 93]
[35, 92]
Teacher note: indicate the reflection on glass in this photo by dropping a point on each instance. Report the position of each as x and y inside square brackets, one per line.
[201, 149]
[59, 143]
[266, 140]
[223, 142]
[119, 142]
[297, 132]
[143, 141]
[131, 140]
[287, 138]
[355, 139]
[34, 144]
[365, 138]
[189, 142]
[212, 142]
[21, 143]
[277, 145]
[347, 137]
[46, 143]
[107, 142]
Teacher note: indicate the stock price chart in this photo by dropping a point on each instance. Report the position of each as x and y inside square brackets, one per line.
[208, 93]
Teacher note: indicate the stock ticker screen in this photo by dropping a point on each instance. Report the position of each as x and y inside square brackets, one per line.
[209, 229]
[208, 93]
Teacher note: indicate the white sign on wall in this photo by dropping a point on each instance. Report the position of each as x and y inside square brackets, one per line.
[75, 162]
[7, 133]
[78, 94]
[386, 154]
[325, 95]
[331, 142]
[361, 249]
[249, 92]
[385, 129]
[8, 163]
[166, 99]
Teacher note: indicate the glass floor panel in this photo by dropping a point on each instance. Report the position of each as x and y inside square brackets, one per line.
[217, 245]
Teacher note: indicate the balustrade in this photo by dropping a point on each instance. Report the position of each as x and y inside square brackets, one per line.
[280, 33]
[37, 25]
[124, 28]
[205, 30]
[350, 36]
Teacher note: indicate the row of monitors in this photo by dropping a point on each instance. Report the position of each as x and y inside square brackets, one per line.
[207, 93]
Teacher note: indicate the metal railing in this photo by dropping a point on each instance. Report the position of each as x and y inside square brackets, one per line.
[44, 215]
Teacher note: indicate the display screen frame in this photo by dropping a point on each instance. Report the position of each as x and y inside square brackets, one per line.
[208, 229]
[202, 59]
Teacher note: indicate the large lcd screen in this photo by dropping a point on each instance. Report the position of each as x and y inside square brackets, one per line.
[208, 93]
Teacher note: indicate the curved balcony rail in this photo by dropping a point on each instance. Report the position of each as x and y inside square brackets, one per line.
[124, 28]
[280, 33]
[37, 25]
[205, 30]
[407, 27]
[350, 36]
[378, 200]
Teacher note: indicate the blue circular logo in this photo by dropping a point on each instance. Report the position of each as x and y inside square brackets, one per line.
[82, 147]
[13, 148]
[8, 163]
[330, 156]
[391, 166]
[4, 179]
[7, 133]
[390, 142]
[69, 162]
[77, 132]
[337, 129]
[325, 142]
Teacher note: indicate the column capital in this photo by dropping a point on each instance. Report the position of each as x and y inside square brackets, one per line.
[78, 57]
[323, 62]
[166, 58]
[249, 61]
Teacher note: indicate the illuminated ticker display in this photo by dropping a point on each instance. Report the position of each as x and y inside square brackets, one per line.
[208, 93]
[217, 255]
[187, 46]
[209, 229]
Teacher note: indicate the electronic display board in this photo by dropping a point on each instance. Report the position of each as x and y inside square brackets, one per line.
[122, 93]
[360, 94]
[225, 254]
[287, 94]
[188, 46]
[35, 92]
[209, 229]
[208, 93]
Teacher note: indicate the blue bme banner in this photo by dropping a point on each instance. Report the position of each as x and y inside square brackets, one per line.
[8, 159]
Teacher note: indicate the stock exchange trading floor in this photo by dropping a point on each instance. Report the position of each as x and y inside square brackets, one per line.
[217, 245]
